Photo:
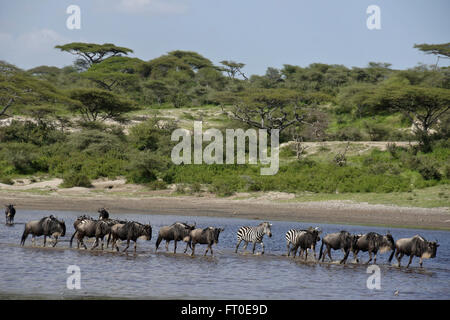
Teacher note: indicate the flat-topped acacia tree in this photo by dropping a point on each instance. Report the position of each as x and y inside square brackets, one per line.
[92, 53]
[440, 50]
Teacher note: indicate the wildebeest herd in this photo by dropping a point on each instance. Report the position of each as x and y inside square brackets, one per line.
[303, 239]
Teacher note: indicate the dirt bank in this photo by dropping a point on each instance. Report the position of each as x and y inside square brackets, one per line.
[268, 207]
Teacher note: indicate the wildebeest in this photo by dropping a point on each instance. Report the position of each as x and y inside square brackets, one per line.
[207, 236]
[305, 239]
[415, 246]
[176, 232]
[84, 226]
[47, 227]
[338, 240]
[10, 212]
[130, 231]
[103, 214]
[373, 242]
[254, 235]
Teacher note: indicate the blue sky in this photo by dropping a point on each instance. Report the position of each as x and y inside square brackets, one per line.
[259, 33]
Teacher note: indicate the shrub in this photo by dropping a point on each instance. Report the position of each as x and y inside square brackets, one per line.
[6, 180]
[196, 187]
[157, 185]
[224, 187]
[429, 171]
[76, 179]
[145, 166]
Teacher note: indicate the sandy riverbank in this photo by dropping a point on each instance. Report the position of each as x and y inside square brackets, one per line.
[119, 197]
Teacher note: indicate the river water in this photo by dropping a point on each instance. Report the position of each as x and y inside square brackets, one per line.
[36, 272]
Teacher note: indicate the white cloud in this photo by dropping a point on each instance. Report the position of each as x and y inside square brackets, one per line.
[151, 6]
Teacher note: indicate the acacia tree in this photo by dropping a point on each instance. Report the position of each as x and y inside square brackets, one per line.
[422, 105]
[440, 50]
[96, 104]
[92, 53]
[233, 68]
[115, 72]
[19, 88]
[267, 108]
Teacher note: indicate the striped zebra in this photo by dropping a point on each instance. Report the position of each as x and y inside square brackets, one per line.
[254, 235]
[298, 237]
[292, 238]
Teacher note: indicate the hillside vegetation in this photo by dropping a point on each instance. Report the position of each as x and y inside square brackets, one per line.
[111, 116]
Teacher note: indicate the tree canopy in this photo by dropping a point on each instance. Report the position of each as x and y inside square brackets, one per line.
[92, 53]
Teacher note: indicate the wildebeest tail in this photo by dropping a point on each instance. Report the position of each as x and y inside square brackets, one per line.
[158, 241]
[321, 250]
[391, 256]
[24, 236]
[73, 236]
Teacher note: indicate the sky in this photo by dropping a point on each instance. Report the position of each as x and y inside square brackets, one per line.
[259, 33]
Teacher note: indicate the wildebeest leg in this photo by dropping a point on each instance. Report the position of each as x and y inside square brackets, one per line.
[167, 245]
[135, 244]
[115, 244]
[420, 261]
[95, 244]
[294, 248]
[107, 241]
[313, 248]
[375, 258]
[188, 244]
[324, 253]
[207, 248]
[33, 240]
[306, 254]
[410, 260]
[80, 238]
[193, 249]
[128, 244]
[237, 246]
[329, 253]
[175, 247]
[45, 240]
[355, 255]
[370, 257]
[344, 259]
[399, 258]
[56, 241]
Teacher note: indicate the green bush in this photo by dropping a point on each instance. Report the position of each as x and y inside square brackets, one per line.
[75, 179]
[157, 185]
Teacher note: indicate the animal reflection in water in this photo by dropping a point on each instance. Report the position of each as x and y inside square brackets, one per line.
[303, 239]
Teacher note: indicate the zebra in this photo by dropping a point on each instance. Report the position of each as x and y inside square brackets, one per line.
[253, 234]
[305, 239]
[292, 238]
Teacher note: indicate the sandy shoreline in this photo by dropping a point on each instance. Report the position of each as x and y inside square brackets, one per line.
[339, 212]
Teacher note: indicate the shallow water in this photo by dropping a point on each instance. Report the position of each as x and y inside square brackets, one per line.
[41, 272]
